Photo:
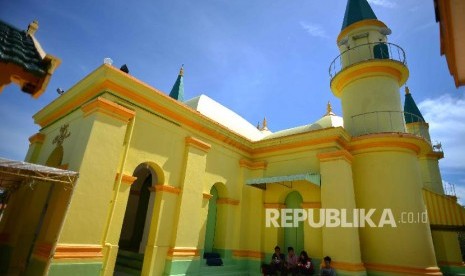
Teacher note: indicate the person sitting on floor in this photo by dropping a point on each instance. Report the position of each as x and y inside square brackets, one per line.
[326, 269]
[277, 260]
[305, 264]
[291, 261]
[276, 264]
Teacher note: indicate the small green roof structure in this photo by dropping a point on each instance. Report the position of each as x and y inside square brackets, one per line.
[177, 92]
[23, 61]
[411, 112]
[357, 10]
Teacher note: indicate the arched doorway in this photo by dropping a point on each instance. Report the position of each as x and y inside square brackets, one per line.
[137, 208]
[294, 236]
[211, 221]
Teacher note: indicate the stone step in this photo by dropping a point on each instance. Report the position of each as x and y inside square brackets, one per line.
[125, 271]
[130, 255]
[128, 263]
[131, 263]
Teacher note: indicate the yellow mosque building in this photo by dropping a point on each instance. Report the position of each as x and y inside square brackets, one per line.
[166, 184]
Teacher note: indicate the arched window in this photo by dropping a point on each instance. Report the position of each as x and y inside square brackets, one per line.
[294, 236]
[211, 221]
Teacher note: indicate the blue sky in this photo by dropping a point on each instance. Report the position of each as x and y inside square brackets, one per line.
[259, 58]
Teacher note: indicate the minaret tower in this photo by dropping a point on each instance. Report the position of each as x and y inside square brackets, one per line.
[367, 76]
[368, 73]
[446, 245]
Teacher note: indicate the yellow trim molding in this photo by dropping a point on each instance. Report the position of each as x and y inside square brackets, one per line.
[228, 201]
[127, 179]
[386, 145]
[348, 266]
[418, 124]
[434, 155]
[168, 189]
[201, 145]
[207, 196]
[311, 205]
[183, 252]
[389, 142]
[63, 166]
[108, 107]
[248, 254]
[338, 140]
[37, 138]
[335, 155]
[68, 251]
[444, 263]
[360, 24]
[369, 68]
[274, 205]
[253, 165]
[43, 250]
[404, 269]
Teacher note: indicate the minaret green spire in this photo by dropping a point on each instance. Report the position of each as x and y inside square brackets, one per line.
[410, 107]
[357, 10]
[177, 92]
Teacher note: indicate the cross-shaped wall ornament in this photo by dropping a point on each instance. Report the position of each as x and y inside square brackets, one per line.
[64, 133]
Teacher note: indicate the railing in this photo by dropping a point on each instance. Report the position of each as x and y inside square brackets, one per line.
[449, 189]
[387, 121]
[364, 52]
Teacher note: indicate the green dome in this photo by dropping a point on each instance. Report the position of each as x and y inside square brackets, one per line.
[357, 10]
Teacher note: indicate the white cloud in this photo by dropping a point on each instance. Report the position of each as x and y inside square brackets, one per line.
[314, 29]
[446, 118]
[383, 3]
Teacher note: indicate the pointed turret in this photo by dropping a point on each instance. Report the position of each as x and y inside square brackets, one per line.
[368, 73]
[411, 112]
[264, 129]
[265, 125]
[177, 92]
[329, 109]
[357, 10]
[414, 121]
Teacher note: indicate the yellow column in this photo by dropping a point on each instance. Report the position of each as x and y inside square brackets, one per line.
[272, 236]
[228, 226]
[111, 243]
[36, 142]
[161, 229]
[430, 173]
[184, 254]
[96, 156]
[337, 192]
[387, 179]
[21, 224]
[446, 243]
[448, 252]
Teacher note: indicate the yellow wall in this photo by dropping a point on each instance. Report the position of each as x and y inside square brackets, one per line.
[188, 160]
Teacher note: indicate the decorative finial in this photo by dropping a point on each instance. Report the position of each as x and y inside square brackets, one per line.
[265, 124]
[33, 27]
[329, 108]
[407, 90]
[181, 72]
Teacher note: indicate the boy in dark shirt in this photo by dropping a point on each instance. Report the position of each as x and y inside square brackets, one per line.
[277, 260]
